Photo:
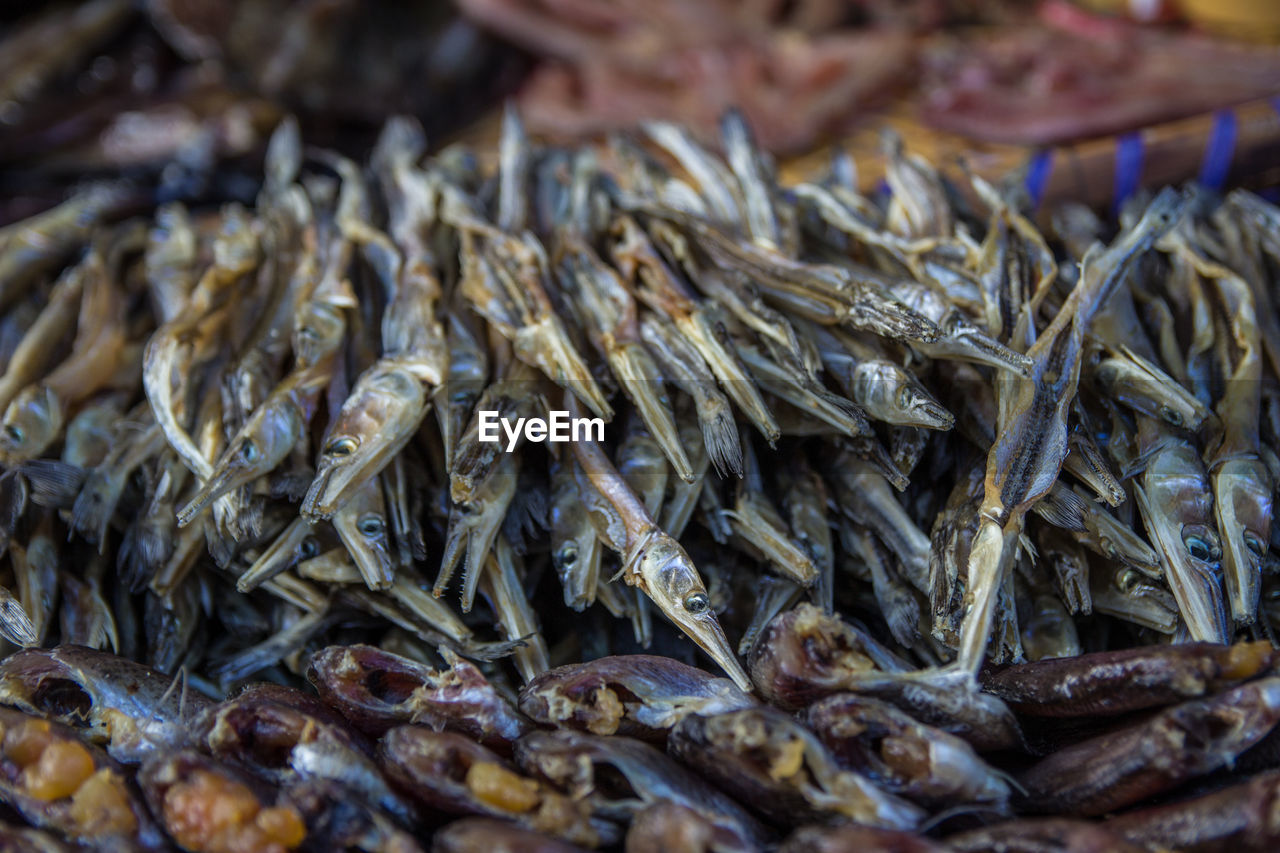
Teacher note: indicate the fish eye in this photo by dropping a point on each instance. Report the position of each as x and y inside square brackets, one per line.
[307, 332]
[15, 433]
[1201, 545]
[904, 396]
[342, 446]
[1255, 545]
[1128, 580]
[249, 451]
[467, 507]
[308, 548]
[1197, 547]
[370, 525]
[1171, 416]
[696, 602]
[568, 555]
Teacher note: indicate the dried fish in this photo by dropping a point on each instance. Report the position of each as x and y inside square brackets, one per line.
[377, 690]
[997, 465]
[774, 764]
[133, 709]
[639, 696]
[1146, 758]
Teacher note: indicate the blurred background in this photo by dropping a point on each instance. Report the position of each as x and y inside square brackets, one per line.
[1090, 100]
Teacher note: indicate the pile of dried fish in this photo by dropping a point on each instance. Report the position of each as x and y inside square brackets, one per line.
[648, 752]
[233, 437]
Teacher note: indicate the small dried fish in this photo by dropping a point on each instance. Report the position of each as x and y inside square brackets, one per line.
[639, 696]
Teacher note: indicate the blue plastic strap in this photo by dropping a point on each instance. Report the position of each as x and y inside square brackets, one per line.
[1218, 153]
[1038, 171]
[1128, 168]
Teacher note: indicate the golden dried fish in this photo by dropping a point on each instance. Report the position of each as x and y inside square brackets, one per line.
[1031, 444]
[655, 563]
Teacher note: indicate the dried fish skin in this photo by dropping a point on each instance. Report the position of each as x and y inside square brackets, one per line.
[1143, 759]
[1117, 682]
[283, 737]
[477, 834]
[1041, 834]
[132, 709]
[640, 696]
[772, 763]
[581, 765]
[921, 763]
[454, 775]
[668, 826]
[377, 690]
[1238, 817]
[804, 655]
[857, 839]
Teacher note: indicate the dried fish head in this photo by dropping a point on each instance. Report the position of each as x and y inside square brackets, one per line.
[669, 578]
[375, 422]
[30, 424]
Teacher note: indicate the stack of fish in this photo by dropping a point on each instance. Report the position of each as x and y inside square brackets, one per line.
[232, 437]
[641, 750]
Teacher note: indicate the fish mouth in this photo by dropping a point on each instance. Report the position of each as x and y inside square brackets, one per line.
[1200, 601]
[374, 563]
[270, 563]
[991, 352]
[580, 382]
[1241, 566]
[580, 584]
[1091, 470]
[483, 536]
[339, 477]
[1127, 547]
[468, 541]
[222, 481]
[711, 639]
[928, 413]
[456, 539]
[1195, 587]
[333, 486]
